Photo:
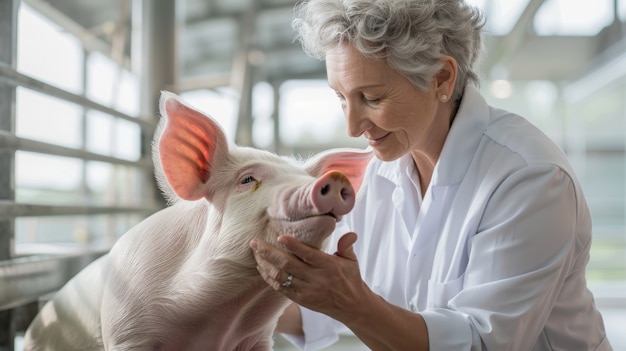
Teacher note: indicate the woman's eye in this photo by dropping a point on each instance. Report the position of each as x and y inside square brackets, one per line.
[371, 100]
[248, 179]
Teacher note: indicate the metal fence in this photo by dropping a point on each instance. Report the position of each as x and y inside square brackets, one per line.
[24, 279]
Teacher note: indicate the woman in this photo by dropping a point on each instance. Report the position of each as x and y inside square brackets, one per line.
[473, 232]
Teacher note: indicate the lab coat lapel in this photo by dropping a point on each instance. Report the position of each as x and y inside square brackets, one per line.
[458, 152]
[424, 244]
[429, 217]
[436, 240]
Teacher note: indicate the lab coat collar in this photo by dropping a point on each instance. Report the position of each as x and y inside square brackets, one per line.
[463, 138]
[396, 169]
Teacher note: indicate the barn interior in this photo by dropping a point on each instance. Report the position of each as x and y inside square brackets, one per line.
[80, 82]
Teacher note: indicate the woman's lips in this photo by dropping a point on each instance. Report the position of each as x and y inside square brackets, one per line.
[373, 142]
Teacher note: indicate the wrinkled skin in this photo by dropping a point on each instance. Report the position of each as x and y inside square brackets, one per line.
[185, 278]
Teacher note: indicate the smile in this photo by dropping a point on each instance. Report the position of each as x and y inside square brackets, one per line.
[374, 142]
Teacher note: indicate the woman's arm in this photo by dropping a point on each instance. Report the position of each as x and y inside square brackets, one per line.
[383, 326]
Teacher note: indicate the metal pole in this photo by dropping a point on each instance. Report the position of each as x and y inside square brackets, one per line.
[242, 77]
[278, 145]
[8, 43]
[154, 54]
[154, 58]
[8, 55]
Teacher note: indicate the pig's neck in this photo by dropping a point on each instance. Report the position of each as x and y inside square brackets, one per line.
[240, 297]
[221, 278]
[258, 311]
[219, 265]
[242, 315]
[224, 243]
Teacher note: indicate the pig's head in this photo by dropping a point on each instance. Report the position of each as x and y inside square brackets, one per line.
[253, 193]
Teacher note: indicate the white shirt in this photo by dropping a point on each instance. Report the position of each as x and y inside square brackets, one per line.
[493, 257]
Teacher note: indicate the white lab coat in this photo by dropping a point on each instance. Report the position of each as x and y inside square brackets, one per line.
[493, 256]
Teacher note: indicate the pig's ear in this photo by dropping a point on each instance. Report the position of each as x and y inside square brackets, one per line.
[188, 147]
[351, 162]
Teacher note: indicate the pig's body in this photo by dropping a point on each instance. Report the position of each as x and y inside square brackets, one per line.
[184, 278]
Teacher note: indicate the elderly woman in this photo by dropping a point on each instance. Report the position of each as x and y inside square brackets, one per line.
[473, 232]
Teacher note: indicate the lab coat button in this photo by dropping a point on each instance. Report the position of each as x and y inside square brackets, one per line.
[412, 307]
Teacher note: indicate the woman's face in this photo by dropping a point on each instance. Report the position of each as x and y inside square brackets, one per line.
[384, 107]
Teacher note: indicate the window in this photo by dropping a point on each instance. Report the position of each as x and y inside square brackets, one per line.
[568, 17]
[107, 174]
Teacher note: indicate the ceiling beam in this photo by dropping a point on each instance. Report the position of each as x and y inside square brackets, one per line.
[230, 15]
[206, 81]
[89, 40]
[501, 54]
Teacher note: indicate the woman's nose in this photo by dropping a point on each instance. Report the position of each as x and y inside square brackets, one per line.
[357, 122]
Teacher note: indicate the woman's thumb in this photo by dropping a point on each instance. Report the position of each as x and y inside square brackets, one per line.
[344, 246]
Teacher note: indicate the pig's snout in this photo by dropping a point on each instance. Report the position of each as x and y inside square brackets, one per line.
[333, 194]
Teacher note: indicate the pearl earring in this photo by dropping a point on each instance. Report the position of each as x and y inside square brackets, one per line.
[444, 98]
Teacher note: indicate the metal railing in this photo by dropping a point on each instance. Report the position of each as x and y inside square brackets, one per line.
[11, 280]
[25, 279]
[12, 76]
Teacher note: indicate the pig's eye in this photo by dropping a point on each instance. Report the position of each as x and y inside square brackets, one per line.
[248, 179]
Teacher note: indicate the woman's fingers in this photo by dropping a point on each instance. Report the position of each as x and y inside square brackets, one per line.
[275, 265]
[325, 283]
[344, 246]
[309, 255]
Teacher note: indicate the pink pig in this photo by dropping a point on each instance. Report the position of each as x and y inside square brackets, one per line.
[185, 278]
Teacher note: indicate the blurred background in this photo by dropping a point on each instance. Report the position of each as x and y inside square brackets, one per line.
[79, 87]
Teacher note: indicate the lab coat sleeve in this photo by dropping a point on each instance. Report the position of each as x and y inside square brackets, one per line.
[517, 261]
[321, 331]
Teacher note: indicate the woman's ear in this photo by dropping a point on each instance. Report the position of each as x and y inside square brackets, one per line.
[445, 79]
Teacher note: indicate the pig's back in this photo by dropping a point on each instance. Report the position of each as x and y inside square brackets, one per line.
[159, 244]
[71, 320]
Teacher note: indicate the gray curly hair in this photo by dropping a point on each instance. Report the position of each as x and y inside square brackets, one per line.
[411, 34]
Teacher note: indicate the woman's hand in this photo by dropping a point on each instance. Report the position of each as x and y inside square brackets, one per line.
[330, 284]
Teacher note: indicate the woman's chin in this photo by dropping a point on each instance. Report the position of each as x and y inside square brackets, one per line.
[387, 155]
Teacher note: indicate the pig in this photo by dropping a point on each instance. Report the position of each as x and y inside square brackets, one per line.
[185, 277]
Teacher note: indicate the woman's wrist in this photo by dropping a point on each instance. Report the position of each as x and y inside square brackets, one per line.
[384, 326]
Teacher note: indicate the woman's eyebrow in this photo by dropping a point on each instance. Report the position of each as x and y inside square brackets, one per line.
[361, 87]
